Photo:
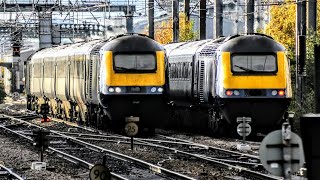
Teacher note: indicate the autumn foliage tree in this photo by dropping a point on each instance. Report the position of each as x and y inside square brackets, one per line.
[282, 25]
[164, 32]
[282, 28]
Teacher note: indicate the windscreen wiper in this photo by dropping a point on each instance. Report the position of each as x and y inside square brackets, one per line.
[124, 69]
[246, 69]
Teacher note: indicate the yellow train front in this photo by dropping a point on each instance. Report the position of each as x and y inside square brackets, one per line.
[253, 81]
[133, 81]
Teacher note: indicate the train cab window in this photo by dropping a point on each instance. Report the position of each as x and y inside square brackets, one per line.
[134, 63]
[254, 64]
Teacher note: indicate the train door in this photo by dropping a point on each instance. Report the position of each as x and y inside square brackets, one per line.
[67, 76]
[72, 77]
[214, 75]
[27, 77]
[195, 72]
[52, 77]
[80, 86]
[41, 76]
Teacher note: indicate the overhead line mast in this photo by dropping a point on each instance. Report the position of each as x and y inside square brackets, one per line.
[250, 16]
[203, 14]
[218, 20]
[300, 49]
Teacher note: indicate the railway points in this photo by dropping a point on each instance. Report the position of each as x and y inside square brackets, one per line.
[181, 104]
[88, 138]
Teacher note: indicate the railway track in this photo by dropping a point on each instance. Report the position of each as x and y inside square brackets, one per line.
[6, 173]
[64, 150]
[245, 165]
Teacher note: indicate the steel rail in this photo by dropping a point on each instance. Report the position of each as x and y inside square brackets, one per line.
[183, 142]
[11, 172]
[152, 167]
[81, 136]
[156, 168]
[141, 143]
[216, 161]
[214, 148]
[222, 164]
[66, 156]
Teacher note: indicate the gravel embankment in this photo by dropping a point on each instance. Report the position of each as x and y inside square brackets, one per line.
[18, 155]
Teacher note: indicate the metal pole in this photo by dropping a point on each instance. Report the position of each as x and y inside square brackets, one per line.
[104, 160]
[300, 49]
[129, 19]
[175, 20]
[104, 19]
[312, 15]
[41, 154]
[286, 151]
[317, 77]
[203, 19]
[132, 143]
[250, 16]
[187, 9]
[298, 24]
[151, 18]
[236, 21]
[109, 8]
[218, 19]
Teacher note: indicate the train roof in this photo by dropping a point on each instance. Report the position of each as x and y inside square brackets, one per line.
[251, 43]
[81, 48]
[132, 42]
[237, 43]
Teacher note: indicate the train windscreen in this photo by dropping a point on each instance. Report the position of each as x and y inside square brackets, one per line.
[254, 64]
[134, 63]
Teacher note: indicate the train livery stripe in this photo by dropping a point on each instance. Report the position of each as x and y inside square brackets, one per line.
[135, 79]
[277, 81]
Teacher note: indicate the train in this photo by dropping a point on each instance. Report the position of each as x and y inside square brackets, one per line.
[102, 83]
[215, 85]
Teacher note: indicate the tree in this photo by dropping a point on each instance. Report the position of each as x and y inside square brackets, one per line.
[282, 28]
[164, 34]
[282, 25]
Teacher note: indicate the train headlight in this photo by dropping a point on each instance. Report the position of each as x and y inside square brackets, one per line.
[281, 92]
[118, 90]
[111, 89]
[153, 89]
[229, 93]
[160, 89]
[274, 92]
[236, 92]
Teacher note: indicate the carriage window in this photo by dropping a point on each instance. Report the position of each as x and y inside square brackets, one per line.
[134, 63]
[254, 64]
